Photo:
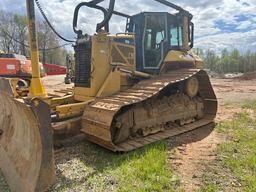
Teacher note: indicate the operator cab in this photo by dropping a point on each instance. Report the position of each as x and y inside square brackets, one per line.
[156, 33]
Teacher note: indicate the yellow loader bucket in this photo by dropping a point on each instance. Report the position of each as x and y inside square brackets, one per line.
[26, 145]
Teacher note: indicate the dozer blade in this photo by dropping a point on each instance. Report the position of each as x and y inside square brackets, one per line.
[122, 112]
[26, 145]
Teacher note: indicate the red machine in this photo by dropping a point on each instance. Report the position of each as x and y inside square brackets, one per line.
[52, 69]
[13, 65]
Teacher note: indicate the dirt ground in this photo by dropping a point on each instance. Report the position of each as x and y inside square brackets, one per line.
[54, 83]
[194, 150]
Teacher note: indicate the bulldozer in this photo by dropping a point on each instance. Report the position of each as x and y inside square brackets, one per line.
[131, 89]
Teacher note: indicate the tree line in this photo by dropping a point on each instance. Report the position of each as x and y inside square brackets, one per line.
[14, 38]
[233, 61]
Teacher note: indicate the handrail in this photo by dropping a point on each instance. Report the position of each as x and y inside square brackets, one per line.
[93, 4]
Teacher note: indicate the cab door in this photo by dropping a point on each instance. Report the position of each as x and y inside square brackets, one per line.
[154, 40]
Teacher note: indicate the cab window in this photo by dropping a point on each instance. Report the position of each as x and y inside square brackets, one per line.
[176, 38]
[148, 39]
[160, 36]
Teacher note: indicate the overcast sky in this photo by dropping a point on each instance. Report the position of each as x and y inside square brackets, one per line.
[218, 24]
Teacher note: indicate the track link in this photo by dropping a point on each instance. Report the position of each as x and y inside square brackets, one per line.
[98, 118]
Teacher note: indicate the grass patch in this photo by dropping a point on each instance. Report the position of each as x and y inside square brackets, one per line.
[91, 168]
[250, 104]
[148, 172]
[3, 185]
[236, 165]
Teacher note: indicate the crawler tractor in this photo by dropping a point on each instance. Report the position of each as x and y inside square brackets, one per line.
[131, 89]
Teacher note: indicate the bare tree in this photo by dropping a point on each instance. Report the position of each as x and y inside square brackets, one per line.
[21, 32]
[14, 38]
[7, 33]
[47, 40]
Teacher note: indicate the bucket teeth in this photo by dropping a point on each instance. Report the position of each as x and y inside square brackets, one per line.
[26, 145]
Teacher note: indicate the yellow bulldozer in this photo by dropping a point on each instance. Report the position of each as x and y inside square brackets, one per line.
[131, 89]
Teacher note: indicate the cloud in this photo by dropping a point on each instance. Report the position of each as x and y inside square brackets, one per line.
[243, 41]
[218, 24]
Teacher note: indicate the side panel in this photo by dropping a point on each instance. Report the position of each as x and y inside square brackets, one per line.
[99, 68]
[123, 54]
[109, 54]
